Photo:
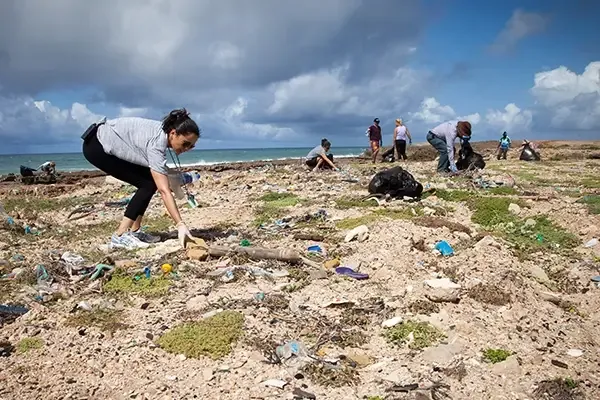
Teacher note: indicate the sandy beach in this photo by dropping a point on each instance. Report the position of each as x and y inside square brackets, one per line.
[512, 314]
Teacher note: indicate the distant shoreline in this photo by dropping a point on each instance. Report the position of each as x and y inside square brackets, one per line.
[420, 152]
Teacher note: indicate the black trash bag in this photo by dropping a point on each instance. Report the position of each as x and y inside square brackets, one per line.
[395, 182]
[528, 154]
[26, 171]
[468, 157]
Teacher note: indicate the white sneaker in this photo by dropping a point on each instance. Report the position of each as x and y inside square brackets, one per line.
[127, 241]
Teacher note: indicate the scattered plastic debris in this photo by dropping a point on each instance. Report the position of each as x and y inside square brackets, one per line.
[444, 248]
[349, 272]
[592, 243]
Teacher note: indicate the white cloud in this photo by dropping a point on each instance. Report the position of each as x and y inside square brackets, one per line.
[41, 121]
[432, 112]
[132, 112]
[329, 93]
[569, 100]
[520, 25]
[512, 119]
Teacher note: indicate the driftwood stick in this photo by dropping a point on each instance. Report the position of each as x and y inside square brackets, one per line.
[256, 253]
[309, 236]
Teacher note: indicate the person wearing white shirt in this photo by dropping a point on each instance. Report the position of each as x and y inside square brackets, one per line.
[442, 139]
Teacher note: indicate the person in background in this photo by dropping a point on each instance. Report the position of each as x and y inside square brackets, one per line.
[503, 146]
[320, 158]
[375, 138]
[134, 150]
[401, 134]
[442, 139]
[48, 168]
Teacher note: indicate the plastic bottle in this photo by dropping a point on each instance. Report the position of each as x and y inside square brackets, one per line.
[189, 177]
[4, 217]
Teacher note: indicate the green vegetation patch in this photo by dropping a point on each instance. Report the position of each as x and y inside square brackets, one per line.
[27, 344]
[346, 203]
[104, 319]
[123, 283]
[592, 202]
[38, 204]
[424, 335]
[379, 214]
[211, 337]
[494, 356]
[455, 195]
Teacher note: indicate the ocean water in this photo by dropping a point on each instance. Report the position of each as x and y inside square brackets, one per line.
[76, 161]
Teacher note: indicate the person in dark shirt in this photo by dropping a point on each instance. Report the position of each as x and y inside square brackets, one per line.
[375, 138]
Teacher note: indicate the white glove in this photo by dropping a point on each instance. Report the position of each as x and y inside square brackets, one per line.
[183, 233]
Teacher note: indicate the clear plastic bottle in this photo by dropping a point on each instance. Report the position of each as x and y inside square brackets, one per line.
[4, 217]
[189, 177]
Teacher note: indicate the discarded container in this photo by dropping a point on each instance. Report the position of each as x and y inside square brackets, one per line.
[5, 217]
[291, 348]
[444, 248]
[189, 177]
[315, 249]
[349, 272]
[166, 268]
[147, 272]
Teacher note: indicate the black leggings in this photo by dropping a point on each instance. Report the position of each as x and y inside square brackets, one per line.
[401, 148]
[311, 163]
[134, 174]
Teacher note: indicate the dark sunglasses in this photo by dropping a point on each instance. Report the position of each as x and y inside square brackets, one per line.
[188, 145]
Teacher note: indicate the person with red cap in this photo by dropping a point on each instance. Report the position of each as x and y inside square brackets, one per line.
[442, 139]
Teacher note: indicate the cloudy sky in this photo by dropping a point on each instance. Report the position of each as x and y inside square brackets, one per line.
[283, 73]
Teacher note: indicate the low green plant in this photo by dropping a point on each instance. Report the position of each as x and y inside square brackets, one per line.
[345, 203]
[123, 283]
[423, 335]
[592, 202]
[454, 195]
[504, 191]
[494, 356]
[30, 343]
[211, 337]
[104, 319]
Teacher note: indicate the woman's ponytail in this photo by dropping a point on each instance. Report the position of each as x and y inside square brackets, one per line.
[180, 121]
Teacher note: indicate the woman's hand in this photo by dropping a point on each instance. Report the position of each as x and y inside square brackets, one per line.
[183, 233]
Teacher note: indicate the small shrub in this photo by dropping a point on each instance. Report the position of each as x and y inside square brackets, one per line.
[424, 334]
[455, 195]
[27, 344]
[123, 283]
[495, 355]
[211, 337]
[103, 319]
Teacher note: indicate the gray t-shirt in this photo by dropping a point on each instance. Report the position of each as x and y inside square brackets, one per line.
[315, 152]
[137, 140]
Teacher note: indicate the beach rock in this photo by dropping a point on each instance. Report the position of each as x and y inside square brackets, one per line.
[197, 254]
[442, 283]
[443, 354]
[391, 322]
[360, 233]
[539, 274]
[509, 368]
[126, 264]
[574, 352]
[487, 241]
[196, 303]
[443, 295]
[514, 208]
[530, 223]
